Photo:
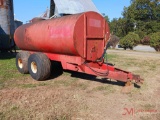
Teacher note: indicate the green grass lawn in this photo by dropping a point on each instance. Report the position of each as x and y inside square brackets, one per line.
[8, 70]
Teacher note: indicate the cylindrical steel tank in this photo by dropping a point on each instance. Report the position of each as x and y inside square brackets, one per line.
[84, 35]
[7, 16]
[6, 23]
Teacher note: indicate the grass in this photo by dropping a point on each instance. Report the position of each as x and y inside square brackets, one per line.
[148, 107]
[147, 68]
[16, 112]
[70, 82]
[10, 109]
[29, 85]
[34, 85]
[106, 89]
[63, 82]
[62, 98]
[145, 118]
[101, 88]
[82, 86]
[8, 70]
[110, 57]
[135, 65]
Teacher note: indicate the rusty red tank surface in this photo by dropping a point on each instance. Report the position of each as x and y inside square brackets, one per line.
[83, 35]
[76, 41]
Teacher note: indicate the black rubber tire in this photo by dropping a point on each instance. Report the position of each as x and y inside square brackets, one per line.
[43, 66]
[22, 62]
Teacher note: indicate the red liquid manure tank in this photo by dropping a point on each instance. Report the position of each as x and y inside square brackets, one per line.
[76, 41]
[83, 35]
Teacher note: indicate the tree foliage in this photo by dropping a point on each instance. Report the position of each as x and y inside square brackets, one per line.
[106, 18]
[155, 41]
[143, 10]
[130, 40]
[141, 17]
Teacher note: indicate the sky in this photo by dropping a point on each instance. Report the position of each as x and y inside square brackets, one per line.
[25, 10]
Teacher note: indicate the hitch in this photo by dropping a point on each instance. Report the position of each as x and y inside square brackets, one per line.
[137, 79]
[129, 85]
[111, 72]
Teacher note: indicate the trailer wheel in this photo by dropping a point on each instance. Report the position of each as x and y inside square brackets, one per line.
[39, 66]
[22, 62]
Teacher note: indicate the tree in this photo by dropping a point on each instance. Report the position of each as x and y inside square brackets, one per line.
[144, 10]
[119, 27]
[155, 41]
[113, 41]
[130, 40]
[144, 14]
[142, 18]
[113, 26]
[107, 19]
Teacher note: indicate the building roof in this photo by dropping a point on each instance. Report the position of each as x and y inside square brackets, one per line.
[74, 6]
[45, 15]
[70, 7]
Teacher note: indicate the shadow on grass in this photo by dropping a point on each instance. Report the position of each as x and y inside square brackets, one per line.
[57, 71]
[94, 78]
[101, 80]
[7, 55]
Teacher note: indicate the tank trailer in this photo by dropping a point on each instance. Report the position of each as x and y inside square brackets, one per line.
[77, 41]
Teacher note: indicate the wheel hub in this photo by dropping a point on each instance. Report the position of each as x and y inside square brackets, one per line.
[34, 67]
[20, 63]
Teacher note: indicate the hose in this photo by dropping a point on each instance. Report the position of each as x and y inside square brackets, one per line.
[96, 72]
[104, 49]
